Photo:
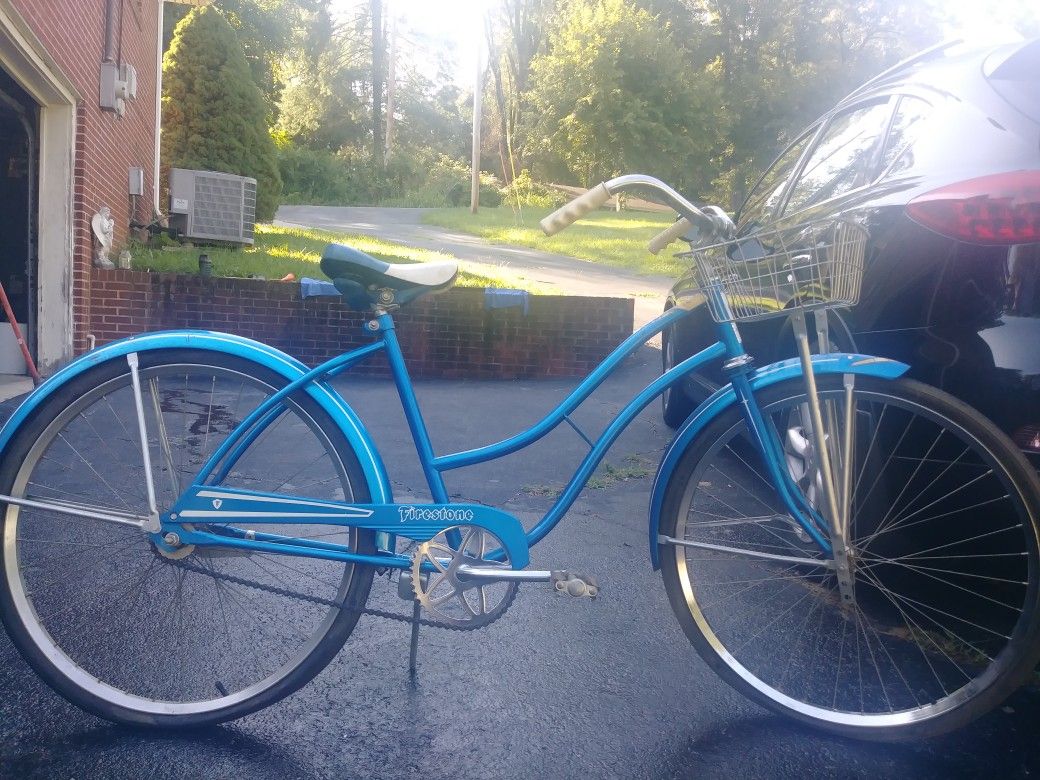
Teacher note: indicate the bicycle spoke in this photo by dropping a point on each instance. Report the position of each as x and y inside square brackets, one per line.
[963, 486]
[95, 472]
[952, 512]
[837, 668]
[880, 561]
[895, 600]
[964, 541]
[910, 481]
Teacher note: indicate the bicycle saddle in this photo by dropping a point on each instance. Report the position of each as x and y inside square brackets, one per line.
[364, 281]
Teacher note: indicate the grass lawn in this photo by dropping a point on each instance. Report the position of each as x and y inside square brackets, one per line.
[280, 250]
[616, 239]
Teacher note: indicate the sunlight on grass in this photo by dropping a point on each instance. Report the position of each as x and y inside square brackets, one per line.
[281, 250]
[615, 239]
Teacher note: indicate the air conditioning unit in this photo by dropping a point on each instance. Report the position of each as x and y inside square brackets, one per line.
[212, 206]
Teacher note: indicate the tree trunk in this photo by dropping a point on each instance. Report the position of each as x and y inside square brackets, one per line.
[391, 87]
[377, 81]
[495, 63]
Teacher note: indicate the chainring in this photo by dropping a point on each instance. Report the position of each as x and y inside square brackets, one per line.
[459, 602]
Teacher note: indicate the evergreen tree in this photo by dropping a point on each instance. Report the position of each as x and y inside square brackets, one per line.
[214, 116]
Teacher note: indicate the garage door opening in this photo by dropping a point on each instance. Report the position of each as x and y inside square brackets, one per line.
[19, 187]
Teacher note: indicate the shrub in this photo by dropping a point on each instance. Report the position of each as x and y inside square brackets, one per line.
[318, 177]
[490, 190]
[525, 191]
[418, 177]
[213, 113]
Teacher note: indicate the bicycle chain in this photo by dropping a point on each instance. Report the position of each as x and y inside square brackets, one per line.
[380, 613]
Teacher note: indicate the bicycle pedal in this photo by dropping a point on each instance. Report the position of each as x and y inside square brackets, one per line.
[573, 584]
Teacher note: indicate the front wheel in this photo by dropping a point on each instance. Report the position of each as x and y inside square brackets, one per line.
[139, 633]
[943, 620]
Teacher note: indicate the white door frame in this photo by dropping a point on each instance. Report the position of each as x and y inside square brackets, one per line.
[24, 57]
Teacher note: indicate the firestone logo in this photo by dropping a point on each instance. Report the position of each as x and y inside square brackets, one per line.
[441, 514]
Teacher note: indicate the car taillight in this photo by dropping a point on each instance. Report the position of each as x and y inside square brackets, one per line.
[1028, 438]
[1000, 209]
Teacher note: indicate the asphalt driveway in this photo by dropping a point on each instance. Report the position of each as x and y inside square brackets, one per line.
[558, 688]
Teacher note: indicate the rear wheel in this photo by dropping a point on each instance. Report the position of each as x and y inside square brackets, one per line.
[944, 621]
[132, 631]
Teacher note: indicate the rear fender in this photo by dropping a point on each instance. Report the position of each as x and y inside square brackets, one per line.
[862, 365]
[269, 357]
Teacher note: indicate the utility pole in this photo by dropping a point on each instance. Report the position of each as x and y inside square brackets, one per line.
[478, 93]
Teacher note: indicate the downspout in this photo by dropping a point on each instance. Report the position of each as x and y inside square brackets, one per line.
[156, 210]
[110, 31]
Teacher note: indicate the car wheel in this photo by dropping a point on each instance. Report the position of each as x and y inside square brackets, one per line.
[676, 405]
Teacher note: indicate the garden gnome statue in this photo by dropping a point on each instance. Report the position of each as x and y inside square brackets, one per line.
[104, 228]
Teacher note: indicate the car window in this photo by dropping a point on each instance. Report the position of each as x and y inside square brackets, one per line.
[906, 125]
[765, 195]
[843, 159]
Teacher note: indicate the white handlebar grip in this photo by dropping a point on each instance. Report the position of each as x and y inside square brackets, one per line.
[668, 235]
[575, 210]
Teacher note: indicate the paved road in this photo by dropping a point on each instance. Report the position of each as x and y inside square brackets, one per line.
[555, 273]
[559, 688]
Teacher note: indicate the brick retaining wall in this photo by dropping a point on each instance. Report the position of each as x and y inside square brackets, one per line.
[450, 335]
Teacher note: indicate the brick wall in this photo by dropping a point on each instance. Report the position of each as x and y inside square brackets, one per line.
[107, 146]
[450, 335]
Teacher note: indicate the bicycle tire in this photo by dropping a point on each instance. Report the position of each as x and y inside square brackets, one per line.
[945, 584]
[137, 637]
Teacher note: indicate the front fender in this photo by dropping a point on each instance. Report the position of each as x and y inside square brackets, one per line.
[725, 397]
[226, 343]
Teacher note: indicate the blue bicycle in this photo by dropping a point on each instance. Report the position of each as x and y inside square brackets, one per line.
[192, 521]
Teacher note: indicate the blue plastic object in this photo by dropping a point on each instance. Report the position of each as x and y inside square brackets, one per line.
[506, 299]
[310, 288]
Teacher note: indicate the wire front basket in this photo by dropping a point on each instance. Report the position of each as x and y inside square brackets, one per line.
[816, 265]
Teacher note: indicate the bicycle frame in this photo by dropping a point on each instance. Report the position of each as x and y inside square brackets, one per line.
[384, 518]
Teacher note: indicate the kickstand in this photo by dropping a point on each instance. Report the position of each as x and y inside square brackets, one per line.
[413, 650]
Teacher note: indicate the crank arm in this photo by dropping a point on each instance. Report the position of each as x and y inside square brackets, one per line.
[562, 581]
[502, 574]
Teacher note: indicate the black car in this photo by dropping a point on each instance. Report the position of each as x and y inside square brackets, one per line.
[939, 158]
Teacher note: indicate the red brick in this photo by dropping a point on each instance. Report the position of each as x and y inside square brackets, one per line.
[450, 335]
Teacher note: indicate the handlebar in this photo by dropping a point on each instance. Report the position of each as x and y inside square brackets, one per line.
[722, 227]
[571, 212]
[677, 229]
[709, 223]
